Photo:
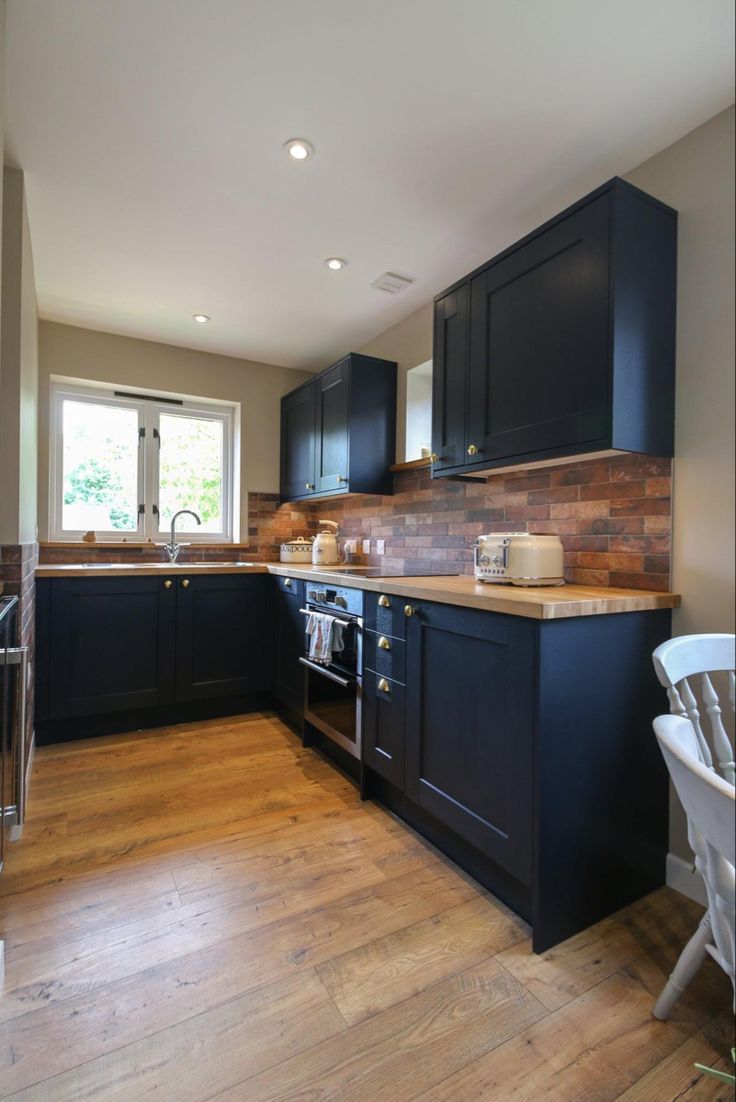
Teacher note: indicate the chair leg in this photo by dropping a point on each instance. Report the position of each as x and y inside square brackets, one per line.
[688, 964]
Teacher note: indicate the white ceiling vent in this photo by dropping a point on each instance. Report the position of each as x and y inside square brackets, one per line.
[391, 283]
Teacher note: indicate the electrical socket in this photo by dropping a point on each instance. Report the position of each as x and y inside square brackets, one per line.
[351, 546]
[366, 547]
[380, 547]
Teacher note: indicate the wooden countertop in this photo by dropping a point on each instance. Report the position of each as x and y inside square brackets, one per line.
[538, 603]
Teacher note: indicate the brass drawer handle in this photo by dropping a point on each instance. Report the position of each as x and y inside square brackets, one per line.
[384, 601]
[409, 610]
[185, 584]
[472, 450]
[384, 643]
[383, 686]
[168, 583]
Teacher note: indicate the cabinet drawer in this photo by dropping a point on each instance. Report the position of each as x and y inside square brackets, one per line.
[384, 614]
[290, 586]
[384, 710]
[384, 655]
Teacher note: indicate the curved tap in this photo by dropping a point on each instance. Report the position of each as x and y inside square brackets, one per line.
[172, 549]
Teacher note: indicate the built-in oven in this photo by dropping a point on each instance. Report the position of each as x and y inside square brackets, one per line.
[332, 694]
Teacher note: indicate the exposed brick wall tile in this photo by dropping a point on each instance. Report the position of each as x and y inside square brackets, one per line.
[612, 515]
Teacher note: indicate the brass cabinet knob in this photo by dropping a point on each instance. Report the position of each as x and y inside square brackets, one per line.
[383, 686]
[472, 450]
[434, 458]
[308, 485]
[341, 478]
[384, 601]
[287, 583]
[409, 610]
[168, 583]
[384, 643]
[185, 584]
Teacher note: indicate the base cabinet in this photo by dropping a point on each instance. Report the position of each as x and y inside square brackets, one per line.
[524, 750]
[287, 645]
[221, 646]
[107, 644]
[469, 729]
[134, 644]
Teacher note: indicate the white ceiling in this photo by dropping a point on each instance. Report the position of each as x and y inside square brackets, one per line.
[150, 132]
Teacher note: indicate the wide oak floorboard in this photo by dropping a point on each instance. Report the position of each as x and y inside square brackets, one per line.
[208, 911]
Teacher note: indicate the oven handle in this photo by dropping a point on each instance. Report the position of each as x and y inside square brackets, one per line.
[342, 623]
[327, 673]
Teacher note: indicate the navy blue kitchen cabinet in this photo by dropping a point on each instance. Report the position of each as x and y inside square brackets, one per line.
[108, 644]
[338, 431]
[298, 435]
[523, 749]
[469, 731]
[287, 647]
[564, 344]
[127, 652]
[221, 641]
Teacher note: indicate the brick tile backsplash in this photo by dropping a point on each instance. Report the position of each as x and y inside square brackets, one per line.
[613, 517]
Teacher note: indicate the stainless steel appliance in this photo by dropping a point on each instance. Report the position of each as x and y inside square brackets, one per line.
[332, 701]
[518, 558]
[13, 683]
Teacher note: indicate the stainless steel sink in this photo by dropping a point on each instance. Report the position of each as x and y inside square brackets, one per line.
[163, 565]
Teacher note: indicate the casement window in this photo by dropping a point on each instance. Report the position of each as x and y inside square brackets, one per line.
[122, 464]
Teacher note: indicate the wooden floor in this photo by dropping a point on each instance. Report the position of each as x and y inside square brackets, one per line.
[209, 911]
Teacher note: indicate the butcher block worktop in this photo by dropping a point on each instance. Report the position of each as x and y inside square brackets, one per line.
[537, 603]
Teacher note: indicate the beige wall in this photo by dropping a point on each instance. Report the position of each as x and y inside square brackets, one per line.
[696, 176]
[129, 363]
[19, 379]
[409, 343]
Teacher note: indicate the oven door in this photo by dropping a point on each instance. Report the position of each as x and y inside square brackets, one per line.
[333, 704]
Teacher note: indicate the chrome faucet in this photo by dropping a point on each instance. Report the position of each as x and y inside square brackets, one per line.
[172, 549]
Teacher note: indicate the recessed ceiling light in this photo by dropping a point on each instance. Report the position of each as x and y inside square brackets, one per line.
[335, 263]
[299, 149]
[201, 318]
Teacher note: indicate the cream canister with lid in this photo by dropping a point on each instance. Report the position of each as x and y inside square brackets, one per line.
[298, 550]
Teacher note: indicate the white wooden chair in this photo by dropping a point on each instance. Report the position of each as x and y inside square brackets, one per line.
[709, 803]
[697, 658]
[700, 656]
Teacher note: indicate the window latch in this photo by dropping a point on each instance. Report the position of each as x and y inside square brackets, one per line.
[154, 510]
[141, 509]
[141, 435]
[157, 437]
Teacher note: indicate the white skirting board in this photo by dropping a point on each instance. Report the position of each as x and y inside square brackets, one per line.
[681, 877]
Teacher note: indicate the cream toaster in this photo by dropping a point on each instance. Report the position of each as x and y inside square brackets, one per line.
[518, 558]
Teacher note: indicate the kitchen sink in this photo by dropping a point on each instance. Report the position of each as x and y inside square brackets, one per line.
[163, 565]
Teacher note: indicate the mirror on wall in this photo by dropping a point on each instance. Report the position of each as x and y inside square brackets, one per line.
[419, 411]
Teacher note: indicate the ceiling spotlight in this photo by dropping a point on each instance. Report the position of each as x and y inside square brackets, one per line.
[335, 263]
[202, 318]
[299, 149]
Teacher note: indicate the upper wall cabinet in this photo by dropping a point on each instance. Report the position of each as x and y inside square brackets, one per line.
[564, 344]
[338, 431]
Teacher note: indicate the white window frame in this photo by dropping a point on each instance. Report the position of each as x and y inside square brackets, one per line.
[149, 415]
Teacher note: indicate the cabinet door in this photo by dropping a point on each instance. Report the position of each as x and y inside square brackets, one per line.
[111, 645]
[221, 635]
[469, 717]
[383, 708]
[287, 596]
[298, 443]
[539, 376]
[332, 428]
[449, 379]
